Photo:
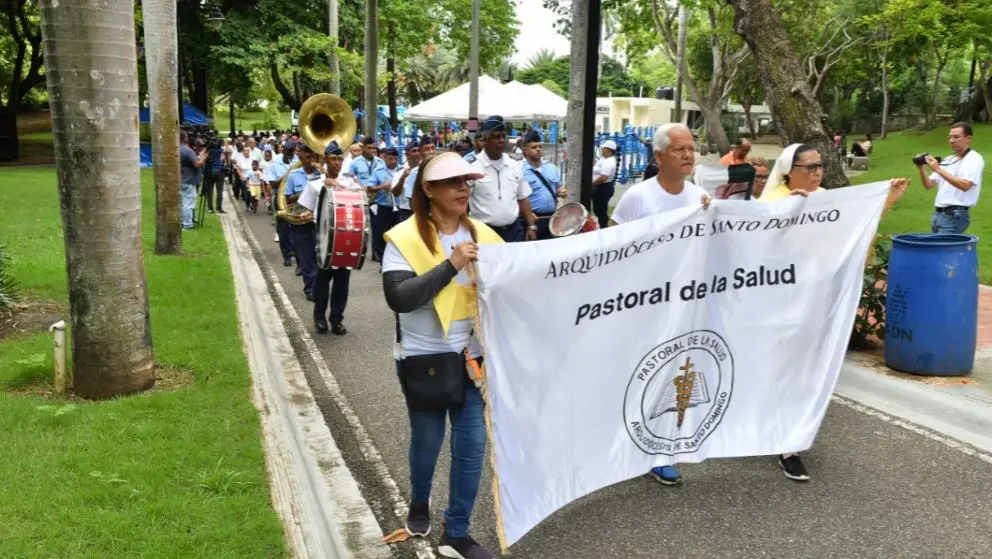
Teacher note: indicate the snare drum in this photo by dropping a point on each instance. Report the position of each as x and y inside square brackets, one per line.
[570, 219]
[342, 229]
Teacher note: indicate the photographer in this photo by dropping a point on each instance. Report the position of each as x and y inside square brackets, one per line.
[190, 165]
[958, 180]
[214, 177]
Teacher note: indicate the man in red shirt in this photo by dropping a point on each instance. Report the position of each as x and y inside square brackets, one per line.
[738, 155]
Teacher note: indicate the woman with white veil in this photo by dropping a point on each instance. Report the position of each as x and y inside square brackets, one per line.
[799, 172]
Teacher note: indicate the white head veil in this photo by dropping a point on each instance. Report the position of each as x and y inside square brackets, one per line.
[783, 166]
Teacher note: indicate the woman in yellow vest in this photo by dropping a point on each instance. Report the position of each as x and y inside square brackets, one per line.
[426, 284]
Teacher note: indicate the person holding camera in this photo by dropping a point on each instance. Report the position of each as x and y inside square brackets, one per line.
[958, 180]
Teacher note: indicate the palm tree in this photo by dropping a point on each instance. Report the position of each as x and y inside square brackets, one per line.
[543, 56]
[161, 68]
[371, 63]
[92, 77]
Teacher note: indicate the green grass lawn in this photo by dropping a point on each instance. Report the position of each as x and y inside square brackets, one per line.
[891, 158]
[172, 473]
[246, 120]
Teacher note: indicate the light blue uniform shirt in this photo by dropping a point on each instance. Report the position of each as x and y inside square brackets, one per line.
[470, 156]
[384, 175]
[296, 182]
[541, 201]
[365, 170]
[276, 170]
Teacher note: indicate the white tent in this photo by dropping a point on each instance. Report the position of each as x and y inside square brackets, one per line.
[537, 102]
[513, 101]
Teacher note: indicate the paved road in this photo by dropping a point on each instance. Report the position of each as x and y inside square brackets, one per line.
[878, 490]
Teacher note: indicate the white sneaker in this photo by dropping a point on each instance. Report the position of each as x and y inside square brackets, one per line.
[277, 237]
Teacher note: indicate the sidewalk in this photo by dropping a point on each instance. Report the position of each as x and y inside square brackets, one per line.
[958, 406]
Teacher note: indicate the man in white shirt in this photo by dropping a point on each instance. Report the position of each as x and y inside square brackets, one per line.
[500, 198]
[604, 174]
[958, 180]
[403, 182]
[354, 152]
[675, 153]
[330, 285]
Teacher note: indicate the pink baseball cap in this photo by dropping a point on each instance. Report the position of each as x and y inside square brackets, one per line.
[449, 164]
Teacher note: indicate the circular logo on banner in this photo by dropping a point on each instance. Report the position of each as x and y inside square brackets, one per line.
[679, 393]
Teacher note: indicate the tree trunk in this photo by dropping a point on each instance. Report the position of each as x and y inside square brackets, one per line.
[394, 118]
[983, 73]
[230, 110]
[579, 143]
[885, 93]
[371, 66]
[160, 65]
[92, 94]
[746, 105]
[715, 134]
[798, 116]
[332, 57]
[932, 113]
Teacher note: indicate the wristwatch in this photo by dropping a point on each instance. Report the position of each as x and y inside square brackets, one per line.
[532, 227]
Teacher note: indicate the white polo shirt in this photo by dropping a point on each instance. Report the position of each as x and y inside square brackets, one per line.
[969, 168]
[606, 166]
[493, 199]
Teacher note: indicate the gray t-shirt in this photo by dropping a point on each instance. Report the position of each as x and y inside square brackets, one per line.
[188, 172]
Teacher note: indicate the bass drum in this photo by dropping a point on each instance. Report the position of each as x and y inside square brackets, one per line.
[342, 229]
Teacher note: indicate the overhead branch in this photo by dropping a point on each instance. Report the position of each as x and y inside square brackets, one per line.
[829, 53]
[284, 92]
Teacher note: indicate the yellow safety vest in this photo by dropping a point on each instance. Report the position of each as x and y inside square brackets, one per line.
[455, 301]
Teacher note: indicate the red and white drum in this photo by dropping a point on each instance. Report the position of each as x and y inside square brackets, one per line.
[570, 219]
[342, 229]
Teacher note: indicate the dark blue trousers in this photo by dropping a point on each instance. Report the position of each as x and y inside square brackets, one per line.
[285, 239]
[305, 246]
[601, 203]
[333, 283]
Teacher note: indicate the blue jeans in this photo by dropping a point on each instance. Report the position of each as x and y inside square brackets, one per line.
[956, 222]
[187, 201]
[468, 450]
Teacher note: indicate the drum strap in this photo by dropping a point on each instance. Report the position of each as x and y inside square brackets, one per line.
[547, 185]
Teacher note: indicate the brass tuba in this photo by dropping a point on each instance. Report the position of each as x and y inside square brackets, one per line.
[324, 118]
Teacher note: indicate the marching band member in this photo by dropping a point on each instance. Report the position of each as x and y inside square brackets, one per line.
[403, 182]
[274, 174]
[371, 172]
[675, 153]
[544, 180]
[330, 285]
[302, 237]
[426, 284]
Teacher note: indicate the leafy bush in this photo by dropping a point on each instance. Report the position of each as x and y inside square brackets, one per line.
[869, 322]
[8, 287]
[270, 117]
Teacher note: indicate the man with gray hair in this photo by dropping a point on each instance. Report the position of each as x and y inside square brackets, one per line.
[675, 154]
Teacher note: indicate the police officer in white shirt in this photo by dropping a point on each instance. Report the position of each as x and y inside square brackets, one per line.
[958, 180]
[604, 181]
[500, 198]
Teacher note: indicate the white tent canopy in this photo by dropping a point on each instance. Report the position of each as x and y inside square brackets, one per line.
[513, 101]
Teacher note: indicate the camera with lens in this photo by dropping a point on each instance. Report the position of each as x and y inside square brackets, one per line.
[921, 159]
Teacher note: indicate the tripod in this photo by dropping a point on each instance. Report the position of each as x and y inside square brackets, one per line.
[201, 208]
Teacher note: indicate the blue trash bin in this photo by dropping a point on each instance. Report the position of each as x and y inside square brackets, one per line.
[931, 314]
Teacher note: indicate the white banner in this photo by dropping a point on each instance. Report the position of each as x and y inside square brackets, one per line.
[690, 335]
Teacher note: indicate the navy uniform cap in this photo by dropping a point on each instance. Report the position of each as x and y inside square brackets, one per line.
[532, 136]
[333, 149]
[494, 122]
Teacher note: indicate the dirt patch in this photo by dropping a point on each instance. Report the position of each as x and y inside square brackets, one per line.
[167, 379]
[874, 359]
[31, 317]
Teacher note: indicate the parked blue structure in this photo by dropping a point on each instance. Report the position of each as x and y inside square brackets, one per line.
[931, 315]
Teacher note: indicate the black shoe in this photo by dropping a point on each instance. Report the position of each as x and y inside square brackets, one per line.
[321, 326]
[298, 271]
[418, 521]
[310, 297]
[794, 468]
[287, 262]
[221, 212]
[339, 329]
[462, 548]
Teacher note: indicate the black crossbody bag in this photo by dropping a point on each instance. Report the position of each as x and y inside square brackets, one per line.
[432, 382]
